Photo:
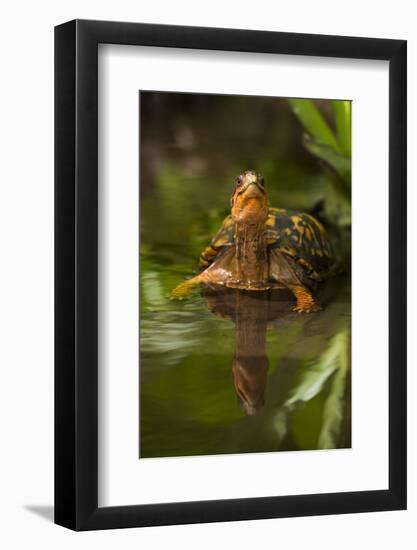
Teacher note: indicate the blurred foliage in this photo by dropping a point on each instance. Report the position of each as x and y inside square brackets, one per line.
[333, 147]
[192, 148]
[320, 392]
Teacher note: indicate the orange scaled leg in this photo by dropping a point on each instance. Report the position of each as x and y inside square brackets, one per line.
[305, 300]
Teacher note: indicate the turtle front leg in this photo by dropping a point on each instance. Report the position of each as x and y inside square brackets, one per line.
[183, 290]
[305, 300]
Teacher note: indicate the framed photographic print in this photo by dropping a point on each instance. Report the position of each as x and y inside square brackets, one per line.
[230, 275]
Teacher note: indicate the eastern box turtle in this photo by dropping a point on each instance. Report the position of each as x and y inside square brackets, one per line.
[259, 248]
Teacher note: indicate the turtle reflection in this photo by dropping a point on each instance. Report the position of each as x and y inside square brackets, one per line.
[251, 312]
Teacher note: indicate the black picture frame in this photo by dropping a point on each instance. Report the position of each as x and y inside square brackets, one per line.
[76, 272]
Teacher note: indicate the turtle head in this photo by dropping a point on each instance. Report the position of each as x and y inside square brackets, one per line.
[249, 199]
[250, 378]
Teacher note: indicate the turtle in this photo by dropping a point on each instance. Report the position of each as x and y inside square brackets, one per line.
[259, 248]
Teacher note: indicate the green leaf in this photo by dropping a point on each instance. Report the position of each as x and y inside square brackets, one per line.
[320, 371]
[310, 399]
[333, 407]
[342, 114]
[341, 164]
[314, 122]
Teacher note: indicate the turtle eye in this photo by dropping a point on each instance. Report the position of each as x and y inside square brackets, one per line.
[239, 181]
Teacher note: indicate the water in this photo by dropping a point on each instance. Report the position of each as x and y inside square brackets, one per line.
[230, 371]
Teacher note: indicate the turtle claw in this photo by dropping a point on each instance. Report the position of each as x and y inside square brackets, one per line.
[174, 297]
[303, 308]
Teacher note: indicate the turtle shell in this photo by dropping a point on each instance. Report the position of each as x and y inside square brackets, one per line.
[303, 238]
[223, 237]
[297, 235]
